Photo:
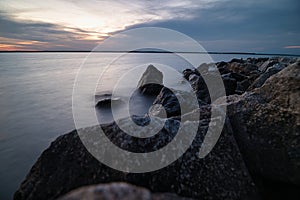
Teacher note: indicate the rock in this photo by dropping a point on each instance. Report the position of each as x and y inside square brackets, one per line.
[203, 68]
[209, 72]
[238, 75]
[267, 64]
[151, 81]
[169, 104]
[205, 114]
[287, 60]
[105, 99]
[244, 68]
[242, 86]
[260, 60]
[229, 83]
[199, 86]
[106, 102]
[221, 64]
[187, 72]
[266, 125]
[117, 191]
[236, 60]
[67, 165]
[267, 74]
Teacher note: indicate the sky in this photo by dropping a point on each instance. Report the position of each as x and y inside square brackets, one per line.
[261, 26]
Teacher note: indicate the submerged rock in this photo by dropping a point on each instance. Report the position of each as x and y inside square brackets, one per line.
[104, 100]
[151, 81]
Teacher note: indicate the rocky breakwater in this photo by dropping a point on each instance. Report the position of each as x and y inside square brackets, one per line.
[258, 148]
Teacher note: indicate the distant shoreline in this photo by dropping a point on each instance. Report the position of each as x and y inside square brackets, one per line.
[165, 52]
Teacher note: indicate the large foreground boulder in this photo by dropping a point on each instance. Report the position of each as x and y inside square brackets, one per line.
[117, 191]
[266, 125]
[67, 165]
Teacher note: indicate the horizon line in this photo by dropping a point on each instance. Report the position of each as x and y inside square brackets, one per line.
[153, 51]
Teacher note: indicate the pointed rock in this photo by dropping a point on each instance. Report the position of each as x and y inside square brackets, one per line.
[151, 81]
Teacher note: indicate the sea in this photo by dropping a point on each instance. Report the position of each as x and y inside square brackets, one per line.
[36, 99]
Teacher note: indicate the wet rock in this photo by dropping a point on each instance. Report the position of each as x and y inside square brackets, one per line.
[117, 191]
[107, 101]
[151, 81]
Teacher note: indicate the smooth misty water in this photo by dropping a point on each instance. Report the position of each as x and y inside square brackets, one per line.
[36, 102]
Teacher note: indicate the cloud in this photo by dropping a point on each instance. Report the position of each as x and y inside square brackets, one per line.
[29, 35]
[292, 47]
[103, 17]
[64, 24]
[220, 25]
[255, 26]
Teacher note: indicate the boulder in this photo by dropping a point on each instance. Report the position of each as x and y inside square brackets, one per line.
[169, 106]
[106, 102]
[105, 99]
[237, 60]
[151, 81]
[187, 72]
[266, 125]
[265, 65]
[267, 74]
[230, 83]
[242, 86]
[244, 68]
[67, 165]
[117, 191]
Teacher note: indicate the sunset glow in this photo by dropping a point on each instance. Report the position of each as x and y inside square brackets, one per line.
[292, 47]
